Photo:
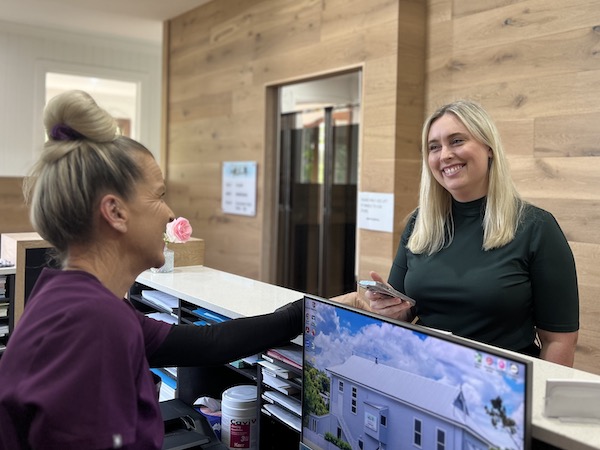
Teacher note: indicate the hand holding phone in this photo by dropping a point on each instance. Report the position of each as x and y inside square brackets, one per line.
[384, 289]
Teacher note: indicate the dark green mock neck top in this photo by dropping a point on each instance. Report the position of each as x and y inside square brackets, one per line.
[498, 296]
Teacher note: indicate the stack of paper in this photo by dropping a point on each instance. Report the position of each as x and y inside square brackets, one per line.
[172, 371]
[167, 387]
[283, 414]
[280, 384]
[275, 370]
[160, 301]
[252, 359]
[282, 376]
[288, 402]
[3, 309]
[2, 286]
[165, 317]
[290, 354]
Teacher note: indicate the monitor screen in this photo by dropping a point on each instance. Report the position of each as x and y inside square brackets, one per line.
[374, 383]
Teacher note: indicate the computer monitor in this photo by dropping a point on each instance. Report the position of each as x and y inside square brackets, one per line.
[370, 382]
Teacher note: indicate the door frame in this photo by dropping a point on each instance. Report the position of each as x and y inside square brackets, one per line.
[268, 259]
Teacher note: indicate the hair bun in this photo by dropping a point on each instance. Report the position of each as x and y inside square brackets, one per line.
[75, 115]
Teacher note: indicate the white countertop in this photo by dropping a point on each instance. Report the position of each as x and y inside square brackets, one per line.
[235, 296]
[566, 435]
[221, 292]
[8, 270]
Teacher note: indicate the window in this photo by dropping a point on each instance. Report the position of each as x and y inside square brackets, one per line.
[118, 97]
[354, 395]
[441, 439]
[341, 386]
[417, 432]
[383, 421]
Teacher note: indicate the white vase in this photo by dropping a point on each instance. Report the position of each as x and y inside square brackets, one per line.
[169, 264]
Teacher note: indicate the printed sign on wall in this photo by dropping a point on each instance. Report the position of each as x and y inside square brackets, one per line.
[239, 188]
[376, 211]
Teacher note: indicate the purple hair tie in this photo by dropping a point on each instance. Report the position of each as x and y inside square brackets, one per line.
[62, 132]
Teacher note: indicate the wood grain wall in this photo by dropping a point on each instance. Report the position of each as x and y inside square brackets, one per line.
[535, 65]
[14, 216]
[227, 57]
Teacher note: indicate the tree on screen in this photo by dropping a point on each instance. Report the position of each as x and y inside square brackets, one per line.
[315, 391]
[497, 413]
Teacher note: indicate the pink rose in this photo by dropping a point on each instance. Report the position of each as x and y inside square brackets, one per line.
[178, 231]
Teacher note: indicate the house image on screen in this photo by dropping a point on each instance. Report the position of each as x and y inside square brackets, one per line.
[375, 407]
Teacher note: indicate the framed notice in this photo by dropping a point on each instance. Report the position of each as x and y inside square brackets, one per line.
[376, 211]
[239, 188]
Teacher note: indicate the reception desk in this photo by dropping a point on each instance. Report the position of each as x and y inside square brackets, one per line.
[561, 434]
[224, 293]
[236, 296]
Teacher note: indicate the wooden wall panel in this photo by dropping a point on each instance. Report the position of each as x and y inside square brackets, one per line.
[578, 218]
[587, 259]
[223, 59]
[567, 135]
[14, 216]
[341, 17]
[517, 136]
[467, 7]
[557, 178]
[535, 65]
[521, 21]
[578, 49]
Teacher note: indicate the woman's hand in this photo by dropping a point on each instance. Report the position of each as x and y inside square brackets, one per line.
[385, 305]
[352, 299]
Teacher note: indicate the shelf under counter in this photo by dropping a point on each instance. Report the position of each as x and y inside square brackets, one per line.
[224, 293]
[206, 297]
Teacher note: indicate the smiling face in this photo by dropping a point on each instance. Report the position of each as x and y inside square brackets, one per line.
[457, 160]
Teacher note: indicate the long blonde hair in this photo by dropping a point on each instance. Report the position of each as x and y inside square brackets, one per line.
[434, 228]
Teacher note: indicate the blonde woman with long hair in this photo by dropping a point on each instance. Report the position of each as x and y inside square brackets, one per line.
[480, 261]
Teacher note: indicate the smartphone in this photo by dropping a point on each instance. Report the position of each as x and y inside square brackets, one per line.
[382, 288]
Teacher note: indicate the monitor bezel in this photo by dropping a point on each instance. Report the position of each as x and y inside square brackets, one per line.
[475, 345]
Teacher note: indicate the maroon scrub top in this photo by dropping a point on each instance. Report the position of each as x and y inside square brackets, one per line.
[75, 372]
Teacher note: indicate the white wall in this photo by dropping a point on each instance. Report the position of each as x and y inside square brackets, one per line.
[27, 53]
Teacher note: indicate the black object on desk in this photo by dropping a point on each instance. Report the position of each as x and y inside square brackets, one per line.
[186, 428]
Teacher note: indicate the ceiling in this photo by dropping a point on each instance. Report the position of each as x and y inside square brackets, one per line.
[132, 19]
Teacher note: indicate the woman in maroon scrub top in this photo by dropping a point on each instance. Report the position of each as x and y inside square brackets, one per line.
[76, 373]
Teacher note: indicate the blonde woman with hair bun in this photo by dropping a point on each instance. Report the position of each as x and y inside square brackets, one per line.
[480, 261]
[76, 372]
